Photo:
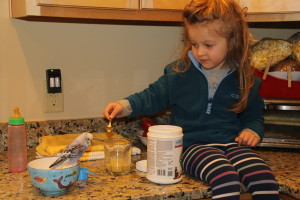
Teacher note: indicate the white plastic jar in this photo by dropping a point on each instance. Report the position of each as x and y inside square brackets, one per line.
[164, 147]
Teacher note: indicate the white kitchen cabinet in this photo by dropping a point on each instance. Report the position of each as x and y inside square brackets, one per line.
[140, 11]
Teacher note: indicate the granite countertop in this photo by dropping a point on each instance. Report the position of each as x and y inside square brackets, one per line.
[135, 185]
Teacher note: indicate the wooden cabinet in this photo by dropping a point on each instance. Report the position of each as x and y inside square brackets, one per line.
[91, 11]
[140, 11]
[271, 6]
[272, 10]
[111, 4]
[164, 4]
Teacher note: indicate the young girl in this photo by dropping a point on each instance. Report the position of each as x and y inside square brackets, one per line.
[213, 96]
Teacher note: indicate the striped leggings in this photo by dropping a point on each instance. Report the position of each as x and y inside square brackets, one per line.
[225, 166]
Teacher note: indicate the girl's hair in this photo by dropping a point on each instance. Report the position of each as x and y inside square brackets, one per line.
[234, 28]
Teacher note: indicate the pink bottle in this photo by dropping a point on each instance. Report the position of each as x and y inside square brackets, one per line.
[17, 148]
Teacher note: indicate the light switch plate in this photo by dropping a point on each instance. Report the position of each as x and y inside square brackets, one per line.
[53, 102]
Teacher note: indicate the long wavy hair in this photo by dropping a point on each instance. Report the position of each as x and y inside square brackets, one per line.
[234, 28]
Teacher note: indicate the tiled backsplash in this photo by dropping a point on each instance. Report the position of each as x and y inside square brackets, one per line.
[37, 129]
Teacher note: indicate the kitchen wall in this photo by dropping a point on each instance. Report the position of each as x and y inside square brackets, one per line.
[99, 63]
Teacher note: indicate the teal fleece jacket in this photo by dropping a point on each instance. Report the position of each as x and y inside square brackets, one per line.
[203, 120]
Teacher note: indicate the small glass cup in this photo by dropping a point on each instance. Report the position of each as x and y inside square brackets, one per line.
[117, 155]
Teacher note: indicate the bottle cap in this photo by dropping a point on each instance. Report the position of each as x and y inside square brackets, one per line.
[83, 174]
[16, 119]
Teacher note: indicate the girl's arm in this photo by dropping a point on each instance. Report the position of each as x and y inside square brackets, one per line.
[251, 119]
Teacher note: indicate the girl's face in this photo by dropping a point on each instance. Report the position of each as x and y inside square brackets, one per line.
[208, 47]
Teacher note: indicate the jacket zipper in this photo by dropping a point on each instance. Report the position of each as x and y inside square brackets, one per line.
[208, 109]
[210, 100]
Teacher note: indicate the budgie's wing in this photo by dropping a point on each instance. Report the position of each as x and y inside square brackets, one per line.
[71, 154]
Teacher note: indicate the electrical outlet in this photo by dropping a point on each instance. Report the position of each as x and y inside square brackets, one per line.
[53, 102]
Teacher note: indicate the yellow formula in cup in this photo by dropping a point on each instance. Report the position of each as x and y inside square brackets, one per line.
[117, 154]
[117, 165]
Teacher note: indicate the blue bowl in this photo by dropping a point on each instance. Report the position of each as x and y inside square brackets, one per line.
[52, 182]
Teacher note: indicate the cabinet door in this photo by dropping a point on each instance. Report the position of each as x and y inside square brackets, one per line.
[271, 6]
[140, 11]
[118, 4]
[164, 4]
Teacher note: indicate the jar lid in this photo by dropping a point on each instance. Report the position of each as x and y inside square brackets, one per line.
[141, 165]
[165, 131]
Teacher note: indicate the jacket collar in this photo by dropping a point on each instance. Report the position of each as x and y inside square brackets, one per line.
[197, 64]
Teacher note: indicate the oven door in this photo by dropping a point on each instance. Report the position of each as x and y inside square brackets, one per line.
[282, 123]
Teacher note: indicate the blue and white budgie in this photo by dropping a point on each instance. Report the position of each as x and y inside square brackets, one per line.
[73, 151]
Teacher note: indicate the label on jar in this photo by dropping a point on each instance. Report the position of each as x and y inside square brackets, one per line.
[164, 148]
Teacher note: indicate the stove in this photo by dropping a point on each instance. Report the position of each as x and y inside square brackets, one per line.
[282, 123]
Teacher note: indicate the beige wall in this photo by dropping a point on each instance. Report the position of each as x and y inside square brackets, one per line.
[99, 63]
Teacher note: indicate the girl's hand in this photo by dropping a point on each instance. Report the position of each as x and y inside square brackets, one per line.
[112, 109]
[247, 138]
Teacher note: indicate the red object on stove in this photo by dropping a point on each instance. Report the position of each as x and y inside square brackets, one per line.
[274, 87]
